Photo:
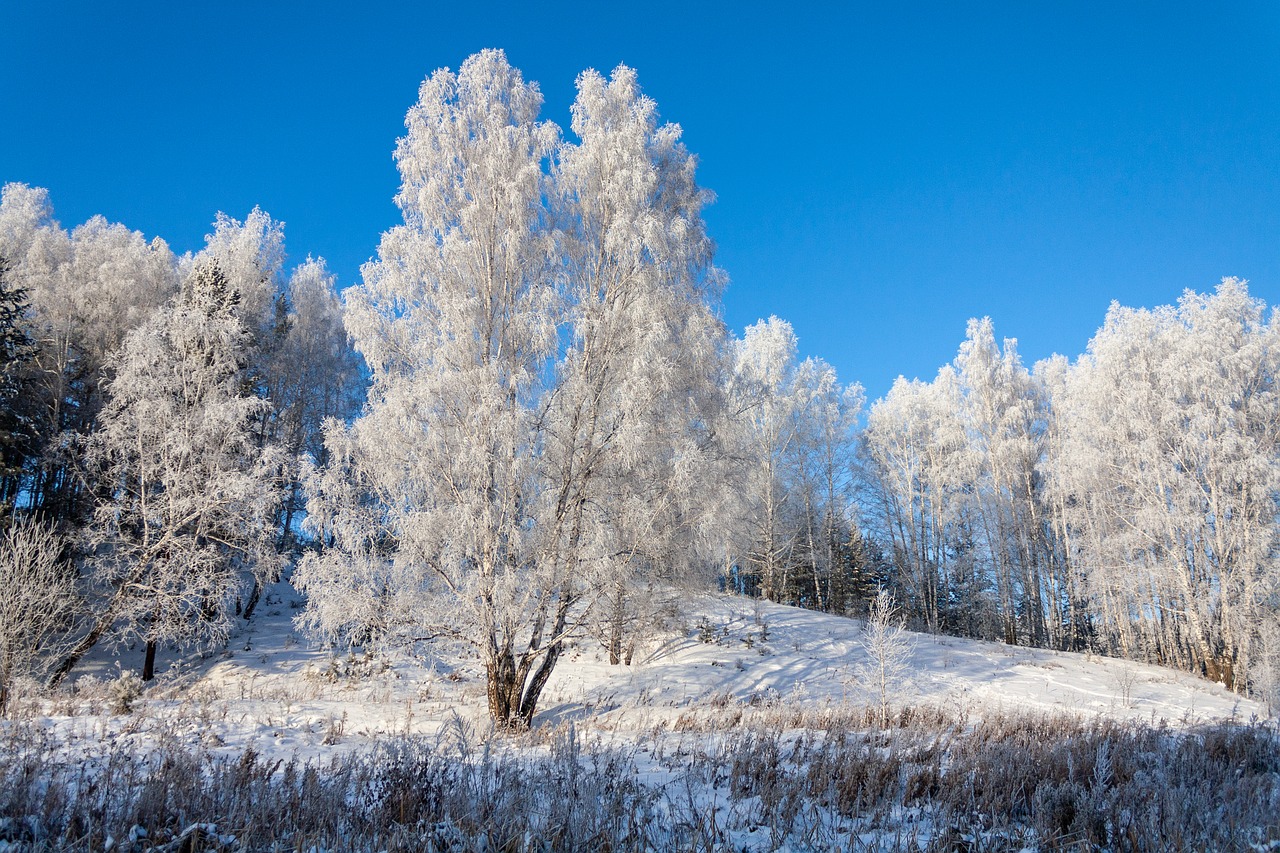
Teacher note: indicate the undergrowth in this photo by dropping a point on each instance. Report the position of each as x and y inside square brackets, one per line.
[775, 779]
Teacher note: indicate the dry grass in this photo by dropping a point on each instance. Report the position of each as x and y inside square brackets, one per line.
[765, 778]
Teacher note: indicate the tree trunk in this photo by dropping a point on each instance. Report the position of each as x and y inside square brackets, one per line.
[617, 621]
[82, 648]
[615, 647]
[254, 594]
[513, 691]
[533, 690]
[502, 688]
[286, 531]
[149, 662]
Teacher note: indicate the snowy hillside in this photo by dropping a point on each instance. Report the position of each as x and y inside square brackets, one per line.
[746, 727]
[272, 690]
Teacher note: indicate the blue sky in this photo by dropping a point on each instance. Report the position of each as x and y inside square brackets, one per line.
[884, 170]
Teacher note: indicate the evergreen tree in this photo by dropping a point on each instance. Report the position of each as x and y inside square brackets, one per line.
[17, 351]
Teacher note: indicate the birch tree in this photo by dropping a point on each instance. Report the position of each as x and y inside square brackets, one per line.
[920, 462]
[1004, 412]
[769, 403]
[887, 648]
[627, 422]
[40, 604]
[311, 375]
[86, 291]
[517, 369]
[825, 457]
[1165, 469]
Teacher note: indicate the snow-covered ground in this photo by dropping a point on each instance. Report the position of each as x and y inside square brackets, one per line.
[274, 691]
[737, 727]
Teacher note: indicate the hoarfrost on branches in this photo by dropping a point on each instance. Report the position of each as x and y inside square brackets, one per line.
[193, 493]
[40, 604]
[543, 354]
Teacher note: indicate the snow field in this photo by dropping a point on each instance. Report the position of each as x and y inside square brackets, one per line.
[740, 727]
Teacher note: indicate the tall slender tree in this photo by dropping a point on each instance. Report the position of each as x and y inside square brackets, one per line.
[311, 374]
[627, 422]
[530, 336]
[768, 403]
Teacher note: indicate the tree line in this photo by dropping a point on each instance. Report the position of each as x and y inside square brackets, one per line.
[528, 424]
[1123, 503]
[155, 414]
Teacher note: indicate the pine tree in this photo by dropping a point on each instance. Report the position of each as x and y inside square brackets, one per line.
[17, 351]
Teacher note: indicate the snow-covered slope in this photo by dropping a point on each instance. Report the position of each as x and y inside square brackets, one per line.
[744, 725]
[275, 692]
[771, 652]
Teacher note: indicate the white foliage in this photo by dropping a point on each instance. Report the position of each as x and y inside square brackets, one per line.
[792, 427]
[40, 603]
[887, 648]
[626, 421]
[30, 239]
[251, 256]
[921, 460]
[541, 348]
[193, 493]
[769, 405]
[1165, 466]
[87, 290]
[310, 374]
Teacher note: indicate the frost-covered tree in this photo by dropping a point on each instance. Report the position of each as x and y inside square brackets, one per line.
[1004, 412]
[627, 421]
[298, 355]
[191, 508]
[251, 255]
[1164, 467]
[887, 648]
[35, 245]
[529, 340]
[956, 486]
[792, 431]
[77, 297]
[825, 455]
[456, 320]
[311, 374]
[17, 351]
[40, 604]
[36, 249]
[769, 405]
[921, 470]
[86, 291]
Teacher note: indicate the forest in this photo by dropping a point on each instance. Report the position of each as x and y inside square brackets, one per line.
[527, 425]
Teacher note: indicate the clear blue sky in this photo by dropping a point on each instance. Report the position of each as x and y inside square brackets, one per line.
[884, 170]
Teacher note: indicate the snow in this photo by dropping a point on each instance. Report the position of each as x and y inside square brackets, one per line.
[670, 720]
[810, 658]
[273, 691]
